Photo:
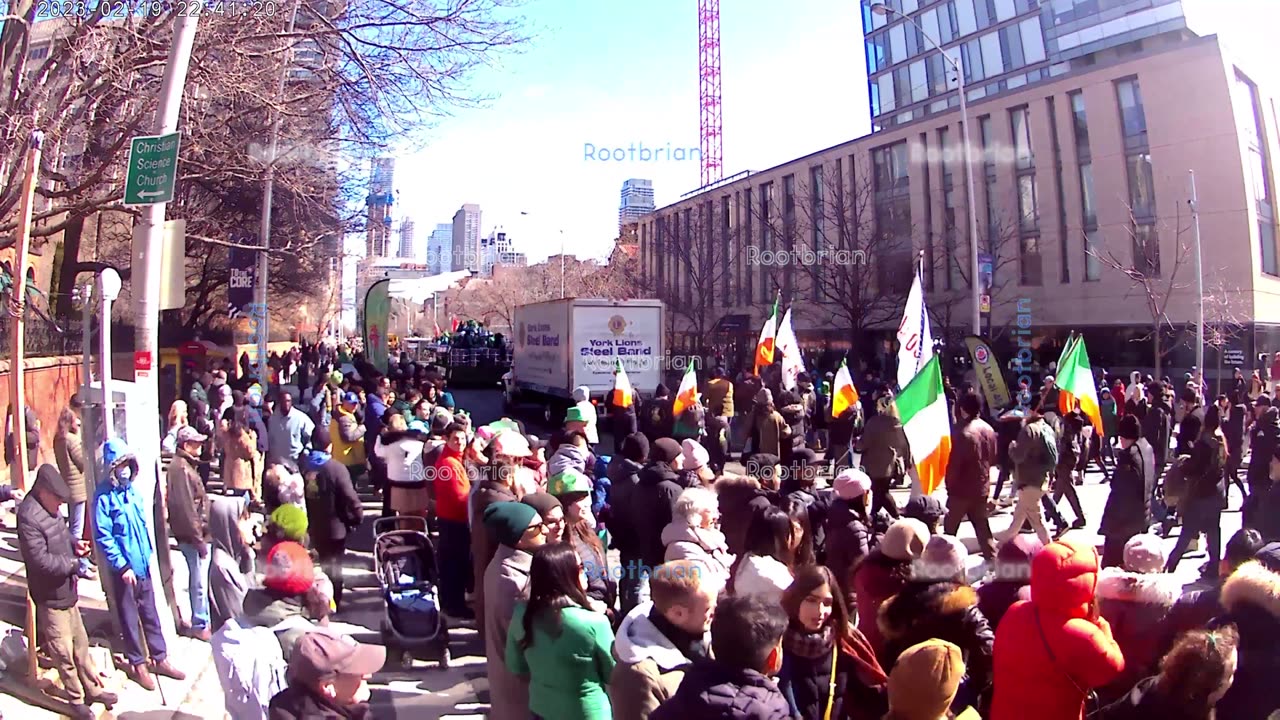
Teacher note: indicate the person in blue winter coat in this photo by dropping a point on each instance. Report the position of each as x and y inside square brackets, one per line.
[120, 532]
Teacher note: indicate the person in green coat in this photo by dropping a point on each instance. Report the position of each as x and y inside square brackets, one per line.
[559, 643]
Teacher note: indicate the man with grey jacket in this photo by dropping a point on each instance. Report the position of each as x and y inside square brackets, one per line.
[658, 640]
[519, 530]
[1034, 455]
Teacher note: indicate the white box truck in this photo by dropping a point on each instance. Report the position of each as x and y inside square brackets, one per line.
[562, 344]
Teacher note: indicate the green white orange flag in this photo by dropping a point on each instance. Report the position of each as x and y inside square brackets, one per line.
[844, 394]
[687, 395]
[922, 404]
[768, 335]
[1075, 382]
[623, 394]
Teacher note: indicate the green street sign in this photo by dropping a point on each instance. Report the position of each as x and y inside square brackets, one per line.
[153, 169]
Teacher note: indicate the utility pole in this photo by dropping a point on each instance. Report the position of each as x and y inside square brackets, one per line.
[1195, 217]
[264, 227]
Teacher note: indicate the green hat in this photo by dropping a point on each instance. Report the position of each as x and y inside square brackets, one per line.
[292, 521]
[335, 377]
[509, 521]
[575, 414]
[569, 481]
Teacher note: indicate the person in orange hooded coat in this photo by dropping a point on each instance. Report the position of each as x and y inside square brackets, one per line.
[1051, 651]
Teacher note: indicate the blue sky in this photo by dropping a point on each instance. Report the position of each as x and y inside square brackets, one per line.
[616, 73]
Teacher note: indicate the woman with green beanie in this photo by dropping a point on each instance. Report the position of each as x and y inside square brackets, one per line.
[573, 490]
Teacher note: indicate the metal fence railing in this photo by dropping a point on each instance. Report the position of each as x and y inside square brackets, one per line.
[41, 338]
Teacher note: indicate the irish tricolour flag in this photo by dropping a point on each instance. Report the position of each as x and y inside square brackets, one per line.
[687, 395]
[845, 394]
[923, 408]
[768, 335]
[1075, 382]
[623, 394]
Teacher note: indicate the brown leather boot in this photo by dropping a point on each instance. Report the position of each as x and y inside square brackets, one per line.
[166, 669]
[141, 675]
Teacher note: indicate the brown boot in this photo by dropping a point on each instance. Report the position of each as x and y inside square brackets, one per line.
[141, 675]
[166, 669]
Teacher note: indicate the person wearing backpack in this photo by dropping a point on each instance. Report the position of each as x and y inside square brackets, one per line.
[1035, 457]
[252, 652]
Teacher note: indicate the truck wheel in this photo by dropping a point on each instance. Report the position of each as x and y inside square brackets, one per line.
[546, 414]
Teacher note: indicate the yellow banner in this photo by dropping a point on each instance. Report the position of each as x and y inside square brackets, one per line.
[990, 375]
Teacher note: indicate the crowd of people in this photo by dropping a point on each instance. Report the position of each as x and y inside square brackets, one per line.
[652, 580]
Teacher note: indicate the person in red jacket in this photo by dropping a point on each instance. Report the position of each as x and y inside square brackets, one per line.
[1052, 651]
[453, 487]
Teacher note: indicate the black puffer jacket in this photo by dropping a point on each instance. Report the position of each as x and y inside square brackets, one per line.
[650, 510]
[1156, 426]
[946, 611]
[740, 501]
[301, 703]
[1251, 597]
[624, 477]
[793, 415]
[47, 550]
[333, 507]
[1127, 512]
[818, 502]
[711, 691]
[848, 541]
[1262, 442]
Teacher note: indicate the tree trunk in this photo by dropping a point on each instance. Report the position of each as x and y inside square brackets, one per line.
[70, 267]
[1156, 344]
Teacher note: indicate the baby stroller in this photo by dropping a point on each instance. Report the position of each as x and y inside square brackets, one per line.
[406, 567]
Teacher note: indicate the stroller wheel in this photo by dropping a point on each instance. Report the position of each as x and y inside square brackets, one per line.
[404, 658]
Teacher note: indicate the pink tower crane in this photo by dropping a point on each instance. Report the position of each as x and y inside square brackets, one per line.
[711, 124]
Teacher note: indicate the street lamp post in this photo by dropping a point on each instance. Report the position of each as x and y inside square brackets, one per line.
[562, 265]
[885, 10]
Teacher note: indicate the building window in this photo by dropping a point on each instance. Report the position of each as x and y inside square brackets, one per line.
[1030, 263]
[1146, 250]
[936, 70]
[1020, 123]
[877, 53]
[971, 62]
[1088, 205]
[1011, 48]
[39, 53]
[691, 266]
[789, 230]
[818, 223]
[1267, 237]
[726, 249]
[948, 22]
[1133, 119]
[766, 238]
[1080, 124]
[1092, 253]
[1142, 200]
[749, 271]
[890, 167]
[902, 85]
[1028, 204]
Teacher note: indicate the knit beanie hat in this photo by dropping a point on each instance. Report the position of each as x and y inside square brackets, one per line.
[905, 539]
[943, 559]
[635, 447]
[925, 508]
[543, 502]
[290, 569]
[1144, 554]
[924, 680]
[665, 450]
[851, 484]
[292, 521]
[509, 520]
[696, 457]
[1129, 428]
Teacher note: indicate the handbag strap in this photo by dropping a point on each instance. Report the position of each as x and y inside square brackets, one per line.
[831, 692]
[1053, 659]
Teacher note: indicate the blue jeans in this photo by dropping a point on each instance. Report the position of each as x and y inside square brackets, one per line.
[197, 584]
[75, 519]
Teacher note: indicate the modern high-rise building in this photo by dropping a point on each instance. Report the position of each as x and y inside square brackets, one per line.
[466, 238]
[381, 198]
[637, 200]
[1083, 121]
[440, 249]
[498, 249]
[1002, 45]
[406, 240]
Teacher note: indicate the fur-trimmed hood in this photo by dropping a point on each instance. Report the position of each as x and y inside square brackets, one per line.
[1252, 584]
[1161, 589]
[918, 602]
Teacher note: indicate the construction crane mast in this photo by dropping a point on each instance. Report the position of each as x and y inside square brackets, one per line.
[711, 124]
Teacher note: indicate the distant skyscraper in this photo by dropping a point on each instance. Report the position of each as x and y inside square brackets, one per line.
[440, 249]
[381, 197]
[406, 239]
[466, 238]
[498, 249]
[637, 201]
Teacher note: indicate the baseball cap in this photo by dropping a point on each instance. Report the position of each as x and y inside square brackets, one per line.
[189, 434]
[320, 655]
[351, 399]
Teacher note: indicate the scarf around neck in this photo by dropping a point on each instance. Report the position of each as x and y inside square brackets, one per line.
[806, 644]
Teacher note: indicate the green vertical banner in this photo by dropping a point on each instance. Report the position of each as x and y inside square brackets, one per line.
[377, 313]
